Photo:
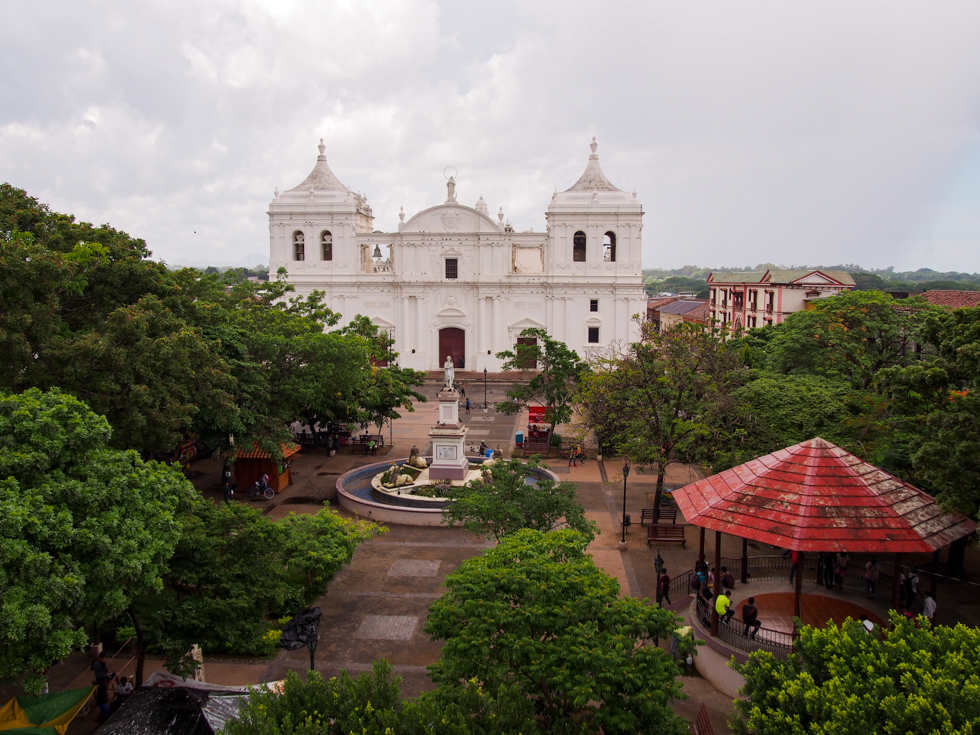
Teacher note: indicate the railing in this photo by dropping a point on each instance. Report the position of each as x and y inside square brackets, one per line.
[776, 642]
[777, 567]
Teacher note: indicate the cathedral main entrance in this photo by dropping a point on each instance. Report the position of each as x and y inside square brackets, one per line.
[452, 342]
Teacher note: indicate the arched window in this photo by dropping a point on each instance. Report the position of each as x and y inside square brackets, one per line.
[578, 247]
[299, 246]
[609, 247]
[326, 245]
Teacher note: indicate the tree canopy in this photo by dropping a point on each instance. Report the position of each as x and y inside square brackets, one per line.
[84, 528]
[669, 397]
[915, 680]
[505, 501]
[535, 615]
[558, 370]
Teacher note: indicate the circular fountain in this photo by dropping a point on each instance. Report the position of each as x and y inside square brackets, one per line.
[360, 491]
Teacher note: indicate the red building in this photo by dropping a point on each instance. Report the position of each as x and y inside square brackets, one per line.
[740, 301]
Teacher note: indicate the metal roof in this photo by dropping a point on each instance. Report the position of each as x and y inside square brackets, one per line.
[681, 307]
[814, 496]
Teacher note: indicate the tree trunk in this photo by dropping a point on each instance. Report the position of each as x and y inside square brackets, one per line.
[661, 473]
[140, 649]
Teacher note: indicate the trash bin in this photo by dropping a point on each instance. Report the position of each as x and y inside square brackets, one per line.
[520, 438]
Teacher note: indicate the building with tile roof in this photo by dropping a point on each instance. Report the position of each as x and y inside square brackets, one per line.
[751, 299]
[953, 299]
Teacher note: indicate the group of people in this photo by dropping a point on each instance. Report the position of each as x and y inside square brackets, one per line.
[703, 580]
[103, 678]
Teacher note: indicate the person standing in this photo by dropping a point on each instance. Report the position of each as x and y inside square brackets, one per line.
[872, 570]
[99, 669]
[750, 616]
[840, 569]
[467, 405]
[663, 587]
[929, 609]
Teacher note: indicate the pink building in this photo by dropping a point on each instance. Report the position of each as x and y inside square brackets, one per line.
[759, 298]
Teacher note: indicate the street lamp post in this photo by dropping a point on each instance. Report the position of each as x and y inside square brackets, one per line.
[311, 644]
[626, 473]
[485, 405]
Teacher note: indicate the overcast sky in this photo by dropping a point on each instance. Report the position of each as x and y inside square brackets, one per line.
[796, 133]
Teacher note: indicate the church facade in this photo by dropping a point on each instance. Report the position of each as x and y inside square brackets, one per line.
[454, 282]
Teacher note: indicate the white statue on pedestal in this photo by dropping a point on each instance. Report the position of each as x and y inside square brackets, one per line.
[450, 372]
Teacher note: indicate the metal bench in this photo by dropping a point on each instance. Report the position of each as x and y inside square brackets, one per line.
[667, 515]
[665, 534]
[701, 725]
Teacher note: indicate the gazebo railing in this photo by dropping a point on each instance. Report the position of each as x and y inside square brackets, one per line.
[733, 634]
[777, 567]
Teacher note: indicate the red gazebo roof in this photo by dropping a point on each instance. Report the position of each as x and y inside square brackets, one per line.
[814, 496]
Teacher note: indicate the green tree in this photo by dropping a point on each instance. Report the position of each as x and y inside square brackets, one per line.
[842, 680]
[83, 528]
[558, 371]
[788, 409]
[232, 571]
[849, 337]
[371, 705]
[667, 398]
[386, 389]
[535, 614]
[504, 501]
[936, 401]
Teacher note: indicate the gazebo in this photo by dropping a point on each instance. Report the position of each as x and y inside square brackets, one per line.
[816, 497]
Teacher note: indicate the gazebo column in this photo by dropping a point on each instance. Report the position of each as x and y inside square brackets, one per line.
[745, 560]
[935, 573]
[701, 544]
[895, 578]
[798, 602]
[714, 607]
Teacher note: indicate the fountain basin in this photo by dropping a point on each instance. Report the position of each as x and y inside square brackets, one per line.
[358, 493]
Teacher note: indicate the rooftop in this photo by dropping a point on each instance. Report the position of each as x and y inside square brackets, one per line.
[953, 299]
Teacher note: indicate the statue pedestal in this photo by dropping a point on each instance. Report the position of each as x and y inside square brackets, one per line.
[448, 440]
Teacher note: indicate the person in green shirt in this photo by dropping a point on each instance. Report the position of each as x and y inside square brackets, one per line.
[723, 604]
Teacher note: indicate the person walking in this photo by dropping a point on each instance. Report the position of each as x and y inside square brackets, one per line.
[462, 394]
[929, 609]
[572, 459]
[872, 570]
[467, 405]
[750, 616]
[663, 587]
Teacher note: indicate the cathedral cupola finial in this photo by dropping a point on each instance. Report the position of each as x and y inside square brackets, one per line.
[593, 145]
[322, 148]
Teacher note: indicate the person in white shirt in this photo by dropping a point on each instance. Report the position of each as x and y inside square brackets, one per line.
[929, 609]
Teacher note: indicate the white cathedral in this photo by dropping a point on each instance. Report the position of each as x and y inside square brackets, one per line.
[452, 282]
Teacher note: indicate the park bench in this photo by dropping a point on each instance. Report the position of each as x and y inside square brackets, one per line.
[667, 515]
[537, 445]
[666, 534]
[360, 443]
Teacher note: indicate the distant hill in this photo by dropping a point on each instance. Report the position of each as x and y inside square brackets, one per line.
[249, 260]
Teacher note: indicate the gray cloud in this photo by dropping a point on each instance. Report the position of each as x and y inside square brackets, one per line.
[754, 132]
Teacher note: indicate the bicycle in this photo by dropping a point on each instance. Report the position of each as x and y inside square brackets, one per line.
[259, 490]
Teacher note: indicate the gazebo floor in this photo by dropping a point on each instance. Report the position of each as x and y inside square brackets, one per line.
[776, 610]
